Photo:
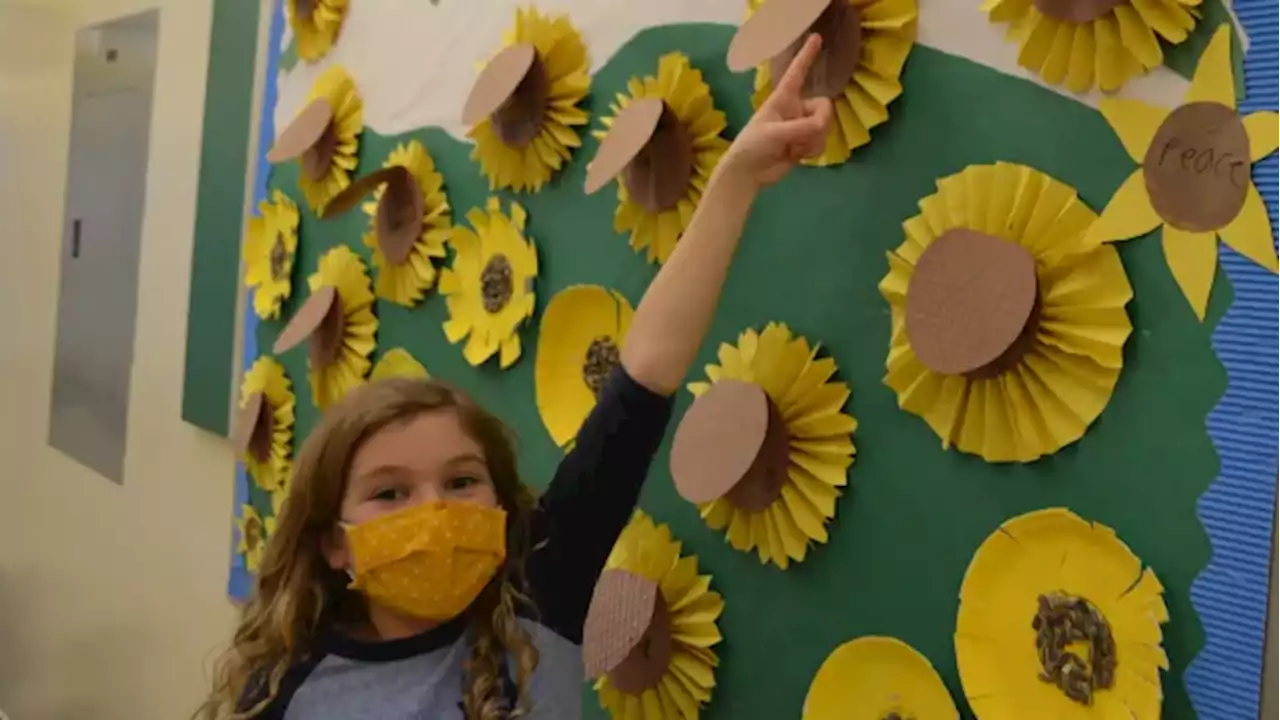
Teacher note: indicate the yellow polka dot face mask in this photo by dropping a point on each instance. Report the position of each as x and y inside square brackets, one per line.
[431, 560]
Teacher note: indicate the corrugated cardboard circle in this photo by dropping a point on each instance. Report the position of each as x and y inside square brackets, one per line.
[325, 344]
[1197, 168]
[970, 298]
[631, 131]
[657, 178]
[352, 194]
[840, 25]
[399, 216]
[624, 617]
[771, 30]
[253, 427]
[731, 442]
[518, 120]
[308, 318]
[305, 131]
[498, 81]
[1076, 11]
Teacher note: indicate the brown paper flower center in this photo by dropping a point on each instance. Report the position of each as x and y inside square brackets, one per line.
[304, 8]
[317, 159]
[972, 304]
[279, 258]
[518, 120]
[895, 715]
[840, 26]
[601, 356]
[647, 662]
[264, 427]
[657, 178]
[1061, 622]
[496, 284]
[324, 347]
[252, 532]
[1076, 11]
[1197, 168]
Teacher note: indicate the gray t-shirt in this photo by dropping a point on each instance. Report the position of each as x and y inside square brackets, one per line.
[577, 520]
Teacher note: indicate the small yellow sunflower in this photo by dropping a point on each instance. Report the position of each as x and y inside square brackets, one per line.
[887, 32]
[1008, 328]
[1059, 619]
[269, 248]
[878, 678]
[254, 532]
[489, 288]
[403, 283]
[265, 424]
[338, 323]
[1100, 43]
[543, 121]
[316, 25]
[668, 673]
[658, 222]
[795, 472]
[329, 159]
[1194, 176]
[579, 343]
[397, 362]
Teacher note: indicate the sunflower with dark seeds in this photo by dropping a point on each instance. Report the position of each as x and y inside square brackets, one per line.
[270, 243]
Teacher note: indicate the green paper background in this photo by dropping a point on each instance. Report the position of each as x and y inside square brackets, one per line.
[812, 256]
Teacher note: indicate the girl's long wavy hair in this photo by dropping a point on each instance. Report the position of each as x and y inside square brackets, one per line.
[296, 588]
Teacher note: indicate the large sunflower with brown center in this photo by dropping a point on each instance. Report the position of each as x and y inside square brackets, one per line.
[316, 25]
[1008, 328]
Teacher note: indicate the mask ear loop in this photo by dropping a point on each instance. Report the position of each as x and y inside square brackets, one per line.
[345, 526]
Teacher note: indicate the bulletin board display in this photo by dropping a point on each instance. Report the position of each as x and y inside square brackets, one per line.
[1180, 463]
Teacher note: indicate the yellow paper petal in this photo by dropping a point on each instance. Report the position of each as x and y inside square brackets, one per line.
[1263, 129]
[1250, 232]
[1193, 260]
[1213, 81]
[1128, 214]
[1134, 122]
[397, 362]
[868, 678]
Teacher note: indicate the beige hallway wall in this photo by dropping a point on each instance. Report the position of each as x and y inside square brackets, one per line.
[111, 597]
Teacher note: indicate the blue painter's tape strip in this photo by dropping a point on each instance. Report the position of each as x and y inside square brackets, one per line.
[240, 582]
[1238, 509]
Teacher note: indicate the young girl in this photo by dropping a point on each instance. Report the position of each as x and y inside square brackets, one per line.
[412, 575]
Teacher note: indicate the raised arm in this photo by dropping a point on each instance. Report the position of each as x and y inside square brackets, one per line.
[597, 485]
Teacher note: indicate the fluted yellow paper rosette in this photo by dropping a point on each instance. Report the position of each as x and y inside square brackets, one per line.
[343, 270]
[341, 138]
[404, 283]
[563, 74]
[690, 610]
[1008, 328]
[1059, 619]
[809, 444]
[254, 531]
[269, 417]
[398, 362]
[316, 25]
[688, 98]
[887, 34]
[579, 343]
[1193, 178]
[489, 287]
[1084, 44]
[874, 678]
[270, 244]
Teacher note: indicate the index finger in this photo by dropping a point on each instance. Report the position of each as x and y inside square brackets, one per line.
[793, 80]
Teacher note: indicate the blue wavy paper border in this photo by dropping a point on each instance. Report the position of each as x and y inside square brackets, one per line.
[1238, 510]
[240, 580]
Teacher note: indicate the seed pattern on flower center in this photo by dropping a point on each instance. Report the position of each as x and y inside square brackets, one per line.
[601, 356]
[495, 284]
[1062, 620]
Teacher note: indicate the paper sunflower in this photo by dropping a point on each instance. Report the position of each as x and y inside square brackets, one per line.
[530, 132]
[766, 447]
[878, 678]
[885, 36]
[254, 531]
[316, 25]
[264, 432]
[489, 288]
[1059, 619]
[269, 247]
[1008, 328]
[652, 626]
[397, 362]
[338, 324]
[1095, 42]
[691, 130]
[1194, 176]
[579, 343]
[403, 282]
[324, 137]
